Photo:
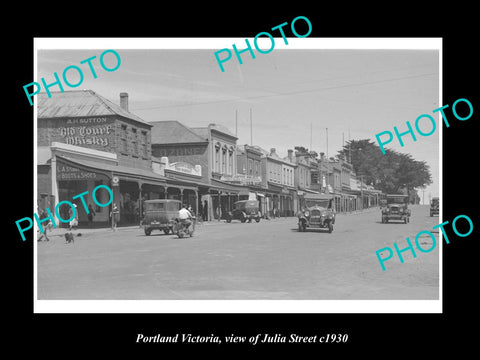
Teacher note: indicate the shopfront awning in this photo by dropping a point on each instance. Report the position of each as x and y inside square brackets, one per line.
[123, 172]
[220, 186]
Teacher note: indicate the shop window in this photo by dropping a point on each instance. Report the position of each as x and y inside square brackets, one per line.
[102, 198]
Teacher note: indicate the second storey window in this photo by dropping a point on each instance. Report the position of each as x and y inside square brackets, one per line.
[134, 142]
[123, 139]
[144, 144]
[217, 157]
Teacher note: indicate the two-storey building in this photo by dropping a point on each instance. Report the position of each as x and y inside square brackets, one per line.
[84, 140]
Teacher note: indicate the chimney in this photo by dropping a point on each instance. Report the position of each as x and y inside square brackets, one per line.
[272, 151]
[322, 156]
[290, 155]
[124, 101]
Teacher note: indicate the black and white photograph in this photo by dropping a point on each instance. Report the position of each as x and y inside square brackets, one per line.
[264, 181]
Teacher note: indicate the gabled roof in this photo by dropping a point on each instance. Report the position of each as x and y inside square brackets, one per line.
[173, 132]
[79, 103]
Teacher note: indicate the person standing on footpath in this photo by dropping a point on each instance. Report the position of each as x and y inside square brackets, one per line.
[205, 211]
[114, 216]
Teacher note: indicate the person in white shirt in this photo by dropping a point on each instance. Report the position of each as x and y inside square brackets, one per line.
[185, 217]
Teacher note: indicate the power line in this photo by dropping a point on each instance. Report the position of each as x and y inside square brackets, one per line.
[286, 94]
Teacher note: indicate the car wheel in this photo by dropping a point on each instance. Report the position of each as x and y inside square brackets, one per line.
[330, 227]
[148, 232]
[229, 220]
[257, 219]
[243, 220]
[166, 231]
[300, 228]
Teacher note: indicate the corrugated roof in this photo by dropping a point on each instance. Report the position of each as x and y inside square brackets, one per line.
[201, 131]
[79, 103]
[222, 129]
[173, 132]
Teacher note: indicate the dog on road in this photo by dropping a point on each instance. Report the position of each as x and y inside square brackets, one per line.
[69, 238]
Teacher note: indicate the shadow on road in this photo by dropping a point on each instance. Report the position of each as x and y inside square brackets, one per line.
[310, 230]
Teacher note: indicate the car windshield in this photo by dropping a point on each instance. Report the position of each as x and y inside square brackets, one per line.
[320, 203]
[170, 206]
[397, 200]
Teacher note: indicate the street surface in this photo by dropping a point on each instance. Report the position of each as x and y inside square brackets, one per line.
[252, 261]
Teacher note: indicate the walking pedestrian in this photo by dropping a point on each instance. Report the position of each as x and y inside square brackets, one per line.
[91, 214]
[74, 222]
[43, 215]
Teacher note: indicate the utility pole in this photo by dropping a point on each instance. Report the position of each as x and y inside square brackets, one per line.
[251, 128]
[326, 130]
[311, 131]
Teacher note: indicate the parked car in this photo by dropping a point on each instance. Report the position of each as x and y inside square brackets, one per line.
[316, 212]
[244, 210]
[434, 206]
[396, 209]
[160, 214]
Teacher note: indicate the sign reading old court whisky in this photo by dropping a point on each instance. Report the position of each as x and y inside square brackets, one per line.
[92, 131]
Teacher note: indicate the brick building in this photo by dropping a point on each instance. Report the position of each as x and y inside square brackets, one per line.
[84, 140]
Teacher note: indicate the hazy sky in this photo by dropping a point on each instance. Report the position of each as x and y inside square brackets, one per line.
[354, 93]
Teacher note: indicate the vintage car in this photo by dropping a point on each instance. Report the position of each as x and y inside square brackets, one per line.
[244, 210]
[434, 206]
[160, 214]
[396, 209]
[316, 212]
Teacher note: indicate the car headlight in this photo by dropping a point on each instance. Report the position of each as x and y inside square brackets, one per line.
[307, 213]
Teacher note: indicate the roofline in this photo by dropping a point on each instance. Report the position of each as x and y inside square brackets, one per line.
[203, 141]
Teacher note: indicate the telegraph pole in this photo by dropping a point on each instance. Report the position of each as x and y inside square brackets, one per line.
[251, 128]
[326, 130]
[236, 122]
